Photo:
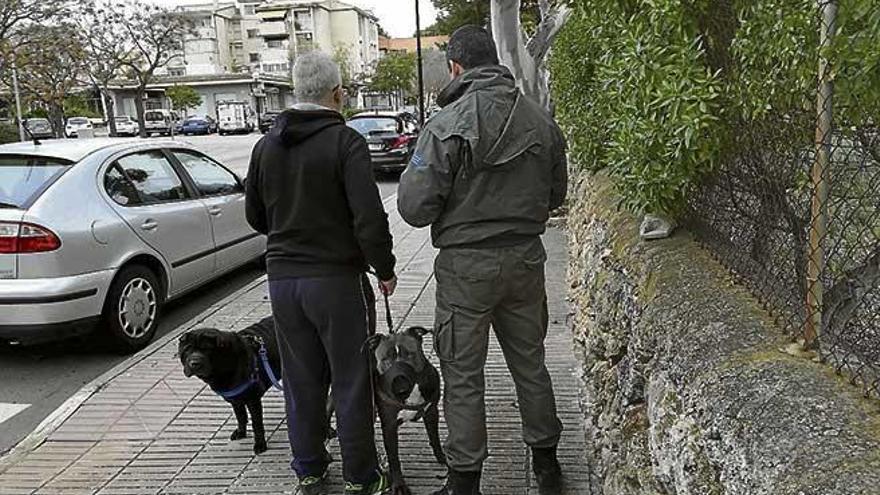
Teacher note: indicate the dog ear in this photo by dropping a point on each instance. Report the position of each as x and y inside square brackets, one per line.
[225, 339]
[418, 331]
[373, 342]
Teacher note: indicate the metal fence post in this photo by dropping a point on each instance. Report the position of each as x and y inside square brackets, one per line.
[819, 174]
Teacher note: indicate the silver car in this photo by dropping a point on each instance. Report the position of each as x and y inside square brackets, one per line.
[106, 231]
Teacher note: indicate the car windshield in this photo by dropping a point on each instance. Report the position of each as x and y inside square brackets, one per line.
[195, 121]
[373, 125]
[37, 122]
[23, 177]
[78, 121]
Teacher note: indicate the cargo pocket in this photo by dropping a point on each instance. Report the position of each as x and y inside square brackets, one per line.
[444, 336]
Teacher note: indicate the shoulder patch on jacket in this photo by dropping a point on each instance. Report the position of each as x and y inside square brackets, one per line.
[417, 161]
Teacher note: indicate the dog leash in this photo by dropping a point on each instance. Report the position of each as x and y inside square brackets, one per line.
[388, 319]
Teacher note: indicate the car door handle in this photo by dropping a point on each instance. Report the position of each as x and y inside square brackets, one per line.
[149, 225]
[215, 211]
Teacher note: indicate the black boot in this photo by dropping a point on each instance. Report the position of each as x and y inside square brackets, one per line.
[548, 474]
[461, 483]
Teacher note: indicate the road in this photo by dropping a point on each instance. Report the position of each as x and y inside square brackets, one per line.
[40, 378]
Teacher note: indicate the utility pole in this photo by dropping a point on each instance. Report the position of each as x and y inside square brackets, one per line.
[421, 75]
[17, 100]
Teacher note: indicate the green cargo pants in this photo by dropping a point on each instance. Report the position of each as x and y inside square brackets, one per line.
[504, 288]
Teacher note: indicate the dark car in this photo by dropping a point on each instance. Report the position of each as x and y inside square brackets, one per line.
[198, 125]
[40, 128]
[391, 137]
[267, 120]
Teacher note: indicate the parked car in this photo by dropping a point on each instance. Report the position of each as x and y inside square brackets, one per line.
[160, 122]
[198, 125]
[267, 120]
[391, 137]
[39, 128]
[76, 124]
[235, 117]
[126, 126]
[154, 220]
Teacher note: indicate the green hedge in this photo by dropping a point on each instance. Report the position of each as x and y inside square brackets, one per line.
[658, 92]
[8, 134]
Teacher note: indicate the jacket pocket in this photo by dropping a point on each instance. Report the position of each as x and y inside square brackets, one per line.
[444, 336]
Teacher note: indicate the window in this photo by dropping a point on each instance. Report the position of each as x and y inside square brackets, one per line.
[177, 72]
[275, 43]
[149, 174]
[23, 178]
[210, 178]
[254, 57]
[250, 9]
[253, 33]
[120, 189]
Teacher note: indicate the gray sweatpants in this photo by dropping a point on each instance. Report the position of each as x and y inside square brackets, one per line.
[504, 288]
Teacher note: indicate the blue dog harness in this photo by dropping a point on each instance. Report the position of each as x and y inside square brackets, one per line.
[254, 379]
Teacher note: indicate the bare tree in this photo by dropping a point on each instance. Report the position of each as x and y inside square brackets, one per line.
[106, 53]
[435, 73]
[526, 58]
[53, 60]
[155, 36]
[17, 13]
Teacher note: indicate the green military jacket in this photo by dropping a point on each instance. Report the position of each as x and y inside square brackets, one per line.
[488, 168]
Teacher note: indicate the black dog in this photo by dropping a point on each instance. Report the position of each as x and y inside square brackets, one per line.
[230, 363]
[407, 388]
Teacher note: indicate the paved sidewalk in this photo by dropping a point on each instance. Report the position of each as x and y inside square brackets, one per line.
[149, 429]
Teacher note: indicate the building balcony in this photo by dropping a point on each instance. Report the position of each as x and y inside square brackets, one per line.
[275, 29]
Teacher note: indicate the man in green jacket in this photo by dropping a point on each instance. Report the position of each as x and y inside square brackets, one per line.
[487, 171]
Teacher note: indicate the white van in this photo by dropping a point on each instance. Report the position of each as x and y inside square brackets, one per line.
[160, 121]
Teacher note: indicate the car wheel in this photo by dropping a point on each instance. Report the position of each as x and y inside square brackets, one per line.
[132, 310]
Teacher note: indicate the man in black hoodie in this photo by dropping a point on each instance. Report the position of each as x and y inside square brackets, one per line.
[311, 190]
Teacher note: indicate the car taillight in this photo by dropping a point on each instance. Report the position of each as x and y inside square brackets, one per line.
[24, 238]
[401, 141]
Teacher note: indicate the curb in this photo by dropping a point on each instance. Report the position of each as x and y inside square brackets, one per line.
[57, 417]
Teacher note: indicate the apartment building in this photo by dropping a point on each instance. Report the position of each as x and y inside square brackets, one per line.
[265, 36]
[292, 27]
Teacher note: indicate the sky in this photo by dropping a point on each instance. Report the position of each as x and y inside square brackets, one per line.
[396, 16]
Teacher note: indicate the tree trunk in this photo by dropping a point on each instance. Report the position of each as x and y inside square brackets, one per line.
[111, 112]
[56, 117]
[526, 61]
[139, 109]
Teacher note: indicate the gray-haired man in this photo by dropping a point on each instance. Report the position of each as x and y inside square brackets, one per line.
[311, 189]
[487, 170]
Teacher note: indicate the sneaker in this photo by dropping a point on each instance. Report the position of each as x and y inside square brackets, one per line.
[378, 487]
[548, 473]
[314, 485]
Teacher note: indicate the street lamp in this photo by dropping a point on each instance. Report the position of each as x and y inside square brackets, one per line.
[421, 76]
[15, 90]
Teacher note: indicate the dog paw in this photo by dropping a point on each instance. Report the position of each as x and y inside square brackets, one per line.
[260, 447]
[238, 434]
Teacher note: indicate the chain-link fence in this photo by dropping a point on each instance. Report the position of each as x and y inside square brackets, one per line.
[794, 208]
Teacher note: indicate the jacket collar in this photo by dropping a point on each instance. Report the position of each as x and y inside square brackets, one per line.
[475, 79]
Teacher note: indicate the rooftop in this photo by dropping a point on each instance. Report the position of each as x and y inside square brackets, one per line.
[69, 149]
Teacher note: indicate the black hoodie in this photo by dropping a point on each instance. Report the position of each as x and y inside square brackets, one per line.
[311, 190]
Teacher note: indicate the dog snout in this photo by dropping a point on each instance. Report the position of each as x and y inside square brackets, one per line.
[194, 365]
[401, 386]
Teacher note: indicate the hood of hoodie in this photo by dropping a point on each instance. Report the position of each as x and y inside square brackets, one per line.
[295, 126]
[484, 107]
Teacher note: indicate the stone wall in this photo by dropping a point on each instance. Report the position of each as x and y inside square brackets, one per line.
[686, 389]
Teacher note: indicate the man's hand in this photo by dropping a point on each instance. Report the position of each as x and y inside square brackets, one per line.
[387, 287]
